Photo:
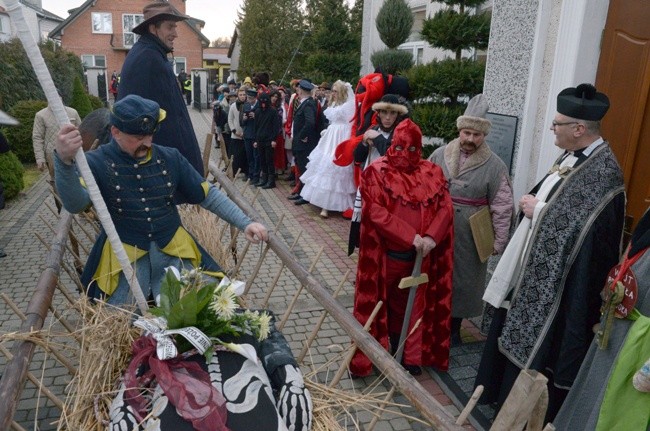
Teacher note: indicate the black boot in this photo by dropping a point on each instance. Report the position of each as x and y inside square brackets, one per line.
[291, 176]
[261, 181]
[270, 184]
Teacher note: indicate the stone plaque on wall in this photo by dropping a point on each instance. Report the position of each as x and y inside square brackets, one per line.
[501, 138]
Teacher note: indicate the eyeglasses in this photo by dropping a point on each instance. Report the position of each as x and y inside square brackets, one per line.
[554, 123]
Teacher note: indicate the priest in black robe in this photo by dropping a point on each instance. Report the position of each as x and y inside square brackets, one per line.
[546, 288]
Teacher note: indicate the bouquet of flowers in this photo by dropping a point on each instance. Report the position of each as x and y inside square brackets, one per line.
[188, 301]
[191, 312]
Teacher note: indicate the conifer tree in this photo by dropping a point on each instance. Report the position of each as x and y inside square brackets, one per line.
[441, 87]
[80, 100]
[269, 33]
[332, 48]
[394, 22]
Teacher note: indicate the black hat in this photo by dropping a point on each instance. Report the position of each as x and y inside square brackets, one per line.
[399, 85]
[582, 102]
[158, 11]
[251, 92]
[306, 85]
[390, 102]
[136, 115]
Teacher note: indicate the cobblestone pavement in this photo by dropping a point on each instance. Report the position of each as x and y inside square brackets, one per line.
[29, 217]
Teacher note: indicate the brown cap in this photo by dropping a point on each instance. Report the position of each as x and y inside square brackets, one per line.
[158, 11]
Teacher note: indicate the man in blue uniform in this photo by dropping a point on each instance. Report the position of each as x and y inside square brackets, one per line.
[141, 183]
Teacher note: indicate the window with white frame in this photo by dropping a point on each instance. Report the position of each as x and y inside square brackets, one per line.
[91, 60]
[180, 63]
[418, 22]
[129, 21]
[102, 22]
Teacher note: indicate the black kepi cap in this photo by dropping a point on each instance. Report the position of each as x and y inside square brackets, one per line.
[136, 115]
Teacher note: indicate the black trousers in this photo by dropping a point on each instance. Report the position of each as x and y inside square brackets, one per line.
[266, 157]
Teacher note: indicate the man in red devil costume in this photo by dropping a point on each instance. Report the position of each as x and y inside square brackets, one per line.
[406, 208]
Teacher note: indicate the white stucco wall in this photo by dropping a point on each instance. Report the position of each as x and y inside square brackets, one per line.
[537, 48]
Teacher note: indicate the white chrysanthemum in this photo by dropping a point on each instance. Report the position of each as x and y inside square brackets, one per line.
[224, 303]
[265, 326]
[190, 276]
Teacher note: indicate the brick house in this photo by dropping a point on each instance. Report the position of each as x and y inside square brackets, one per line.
[99, 31]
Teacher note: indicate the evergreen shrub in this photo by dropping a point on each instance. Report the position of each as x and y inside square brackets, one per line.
[392, 61]
[20, 136]
[95, 102]
[11, 174]
[80, 100]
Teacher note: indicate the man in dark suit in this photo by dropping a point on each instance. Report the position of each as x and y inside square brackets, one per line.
[305, 134]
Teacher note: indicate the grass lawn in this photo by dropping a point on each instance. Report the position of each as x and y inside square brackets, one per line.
[31, 175]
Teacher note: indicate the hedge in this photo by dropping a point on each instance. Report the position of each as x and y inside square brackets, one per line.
[11, 174]
[20, 137]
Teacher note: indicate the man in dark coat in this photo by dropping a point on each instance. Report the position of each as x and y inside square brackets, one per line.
[558, 258]
[267, 127]
[148, 73]
[247, 121]
[305, 134]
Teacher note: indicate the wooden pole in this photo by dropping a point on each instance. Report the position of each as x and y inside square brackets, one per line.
[16, 370]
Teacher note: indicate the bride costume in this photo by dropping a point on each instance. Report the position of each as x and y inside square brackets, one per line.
[327, 185]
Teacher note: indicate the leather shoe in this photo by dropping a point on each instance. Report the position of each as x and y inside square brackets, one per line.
[294, 196]
[300, 201]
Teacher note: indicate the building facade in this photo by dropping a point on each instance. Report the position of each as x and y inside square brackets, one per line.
[40, 21]
[539, 47]
[99, 32]
[217, 63]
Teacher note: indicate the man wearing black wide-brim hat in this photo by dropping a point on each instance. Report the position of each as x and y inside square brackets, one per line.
[547, 285]
[148, 72]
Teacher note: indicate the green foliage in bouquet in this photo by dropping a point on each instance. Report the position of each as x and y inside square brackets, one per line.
[213, 309]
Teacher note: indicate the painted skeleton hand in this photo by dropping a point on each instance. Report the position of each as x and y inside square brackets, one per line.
[294, 401]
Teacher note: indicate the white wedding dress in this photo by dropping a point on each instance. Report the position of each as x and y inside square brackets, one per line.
[327, 185]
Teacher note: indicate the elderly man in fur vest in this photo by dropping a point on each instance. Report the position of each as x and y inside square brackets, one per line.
[478, 179]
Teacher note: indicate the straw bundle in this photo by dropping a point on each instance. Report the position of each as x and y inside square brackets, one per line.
[106, 337]
[105, 351]
[208, 230]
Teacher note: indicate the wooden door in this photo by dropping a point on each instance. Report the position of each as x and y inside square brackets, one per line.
[624, 75]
